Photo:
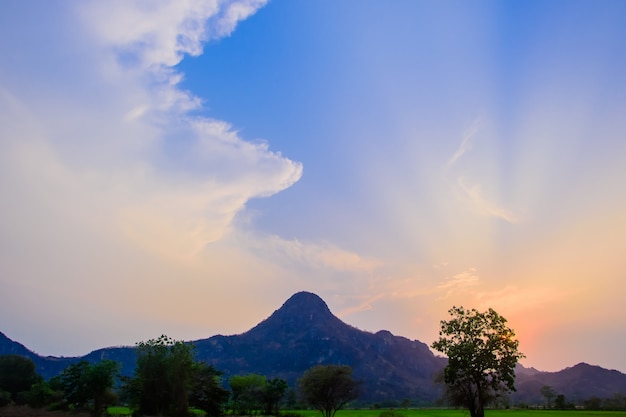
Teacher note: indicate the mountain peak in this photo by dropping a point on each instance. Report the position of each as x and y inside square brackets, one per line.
[304, 307]
[305, 302]
[303, 310]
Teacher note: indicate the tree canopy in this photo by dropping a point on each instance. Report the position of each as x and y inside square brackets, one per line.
[86, 385]
[206, 392]
[328, 388]
[163, 377]
[482, 354]
[17, 374]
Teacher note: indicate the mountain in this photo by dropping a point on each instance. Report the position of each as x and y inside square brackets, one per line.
[577, 383]
[45, 366]
[303, 332]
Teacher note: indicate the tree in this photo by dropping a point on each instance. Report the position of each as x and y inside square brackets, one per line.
[88, 386]
[17, 374]
[560, 403]
[549, 393]
[163, 377]
[41, 394]
[247, 393]
[328, 388]
[273, 392]
[482, 353]
[206, 392]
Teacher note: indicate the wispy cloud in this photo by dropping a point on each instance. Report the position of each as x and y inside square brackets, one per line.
[476, 199]
[457, 283]
[513, 298]
[473, 196]
[321, 255]
[466, 143]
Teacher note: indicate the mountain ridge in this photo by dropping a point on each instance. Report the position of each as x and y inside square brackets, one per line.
[303, 332]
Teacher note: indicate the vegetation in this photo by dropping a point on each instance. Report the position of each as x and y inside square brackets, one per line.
[549, 393]
[206, 392]
[17, 375]
[88, 386]
[328, 388]
[482, 354]
[168, 381]
[254, 392]
[163, 377]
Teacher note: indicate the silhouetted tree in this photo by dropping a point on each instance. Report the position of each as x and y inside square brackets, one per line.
[328, 388]
[41, 394]
[593, 403]
[206, 392]
[273, 392]
[559, 402]
[549, 393]
[482, 354]
[88, 386]
[163, 377]
[17, 374]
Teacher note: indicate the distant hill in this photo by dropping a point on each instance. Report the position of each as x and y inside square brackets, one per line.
[577, 383]
[303, 333]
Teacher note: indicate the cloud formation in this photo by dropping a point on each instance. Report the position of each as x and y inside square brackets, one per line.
[172, 182]
[105, 170]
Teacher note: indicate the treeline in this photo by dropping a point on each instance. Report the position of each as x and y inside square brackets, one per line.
[557, 401]
[168, 381]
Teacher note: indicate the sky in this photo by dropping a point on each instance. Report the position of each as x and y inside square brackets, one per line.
[183, 167]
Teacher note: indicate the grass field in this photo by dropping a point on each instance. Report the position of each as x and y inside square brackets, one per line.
[119, 411]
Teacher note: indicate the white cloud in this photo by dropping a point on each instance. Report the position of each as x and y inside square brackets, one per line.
[108, 181]
[159, 33]
[172, 182]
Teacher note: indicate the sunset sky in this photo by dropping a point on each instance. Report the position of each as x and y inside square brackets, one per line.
[183, 167]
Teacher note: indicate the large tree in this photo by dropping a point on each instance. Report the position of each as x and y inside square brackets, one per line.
[247, 393]
[163, 377]
[273, 393]
[328, 388]
[482, 353]
[88, 386]
[206, 392]
[17, 374]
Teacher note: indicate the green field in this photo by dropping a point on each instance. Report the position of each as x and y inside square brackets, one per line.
[126, 411]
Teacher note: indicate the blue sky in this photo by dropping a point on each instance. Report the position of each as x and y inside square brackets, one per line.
[184, 167]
